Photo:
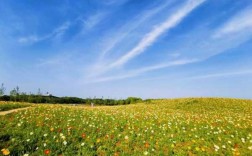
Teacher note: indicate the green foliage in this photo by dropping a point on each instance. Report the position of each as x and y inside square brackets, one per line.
[2, 89]
[9, 106]
[18, 96]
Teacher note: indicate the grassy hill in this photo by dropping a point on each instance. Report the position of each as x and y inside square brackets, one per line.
[189, 126]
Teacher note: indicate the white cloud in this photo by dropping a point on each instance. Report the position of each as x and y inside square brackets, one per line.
[152, 36]
[137, 72]
[216, 75]
[56, 33]
[93, 20]
[240, 22]
[130, 26]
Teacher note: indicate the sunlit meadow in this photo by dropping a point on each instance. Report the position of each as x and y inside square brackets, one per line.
[192, 126]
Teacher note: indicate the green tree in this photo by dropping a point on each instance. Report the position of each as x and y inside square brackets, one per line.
[2, 90]
[14, 94]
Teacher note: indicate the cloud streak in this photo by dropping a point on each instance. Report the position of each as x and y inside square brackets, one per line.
[152, 36]
[137, 72]
[131, 26]
[56, 33]
[240, 22]
[217, 75]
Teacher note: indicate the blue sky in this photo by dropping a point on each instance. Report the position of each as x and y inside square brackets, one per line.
[121, 48]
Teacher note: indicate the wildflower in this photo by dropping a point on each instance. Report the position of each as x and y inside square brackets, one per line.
[243, 140]
[26, 154]
[203, 149]
[5, 151]
[98, 140]
[216, 148]
[197, 148]
[83, 135]
[47, 152]
[126, 137]
[146, 145]
[51, 129]
[44, 144]
[223, 146]
[28, 140]
[31, 133]
[250, 147]
[65, 143]
[45, 135]
[82, 144]
[146, 152]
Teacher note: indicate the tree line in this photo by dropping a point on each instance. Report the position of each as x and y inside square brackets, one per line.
[18, 96]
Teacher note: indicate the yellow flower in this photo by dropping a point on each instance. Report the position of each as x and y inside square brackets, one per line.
[5, 151]
[98, 140]
[197, 148]
[203, 149]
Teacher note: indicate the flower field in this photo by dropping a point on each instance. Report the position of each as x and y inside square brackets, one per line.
[199, 126]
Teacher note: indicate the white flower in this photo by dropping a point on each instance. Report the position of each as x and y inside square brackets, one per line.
[82, 144]
[26, 154]
[44, 144]
[243, 140]
[216, 147]
[65, 143]
[126, 137]
[31, 133]
[28, 140]
[63, 137]
[223, 146]
[45, 135]
[146, 152]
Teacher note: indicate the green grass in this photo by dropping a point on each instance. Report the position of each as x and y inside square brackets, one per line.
[5, 106]
[192, 126]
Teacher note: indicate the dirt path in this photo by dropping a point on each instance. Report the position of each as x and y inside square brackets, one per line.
[13, 110]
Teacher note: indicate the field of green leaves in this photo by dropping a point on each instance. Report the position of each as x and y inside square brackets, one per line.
[191, 126]
[5, 106]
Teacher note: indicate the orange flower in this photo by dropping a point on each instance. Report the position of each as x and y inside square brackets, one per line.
[5, 151]
[83, 135]
[47, 151]
[146, 145]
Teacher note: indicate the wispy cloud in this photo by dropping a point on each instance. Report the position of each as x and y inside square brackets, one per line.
[93, 20]
[130, 26]
[137, 72]
[56, 33]
[152, 36]
[240, 22]
[217, 75]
